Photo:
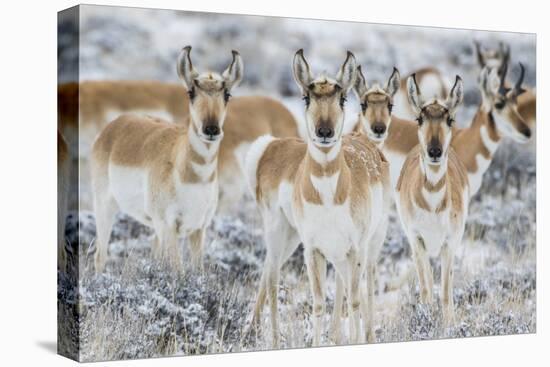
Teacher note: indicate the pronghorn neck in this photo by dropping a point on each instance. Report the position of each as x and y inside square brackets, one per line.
[322, 175]
[197, 159]
[434, 175]
[432, 195]
[484, 118]
[483, 134]
[361, 129]
[324, 161]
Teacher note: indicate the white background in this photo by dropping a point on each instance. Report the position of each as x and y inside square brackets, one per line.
[28, 181]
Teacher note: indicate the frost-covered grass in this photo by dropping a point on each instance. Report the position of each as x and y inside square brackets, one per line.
[139, 308]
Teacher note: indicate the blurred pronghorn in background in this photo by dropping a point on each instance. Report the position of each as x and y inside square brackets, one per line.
[101, 102]
[497, 116]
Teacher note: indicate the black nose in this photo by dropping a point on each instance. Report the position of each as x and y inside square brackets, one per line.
[526, 132]
[325, 132]
[211, 130]
[435, 152]
[379, 129]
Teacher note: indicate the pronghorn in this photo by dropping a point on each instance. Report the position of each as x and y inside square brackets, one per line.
[499, 59]
[63, 186]
[432, 192]
[332, 193]
[497, 117]
[100, 102]
[493, 58]
[376, 106]
[247, 118]
[429, 80]
[162, 174]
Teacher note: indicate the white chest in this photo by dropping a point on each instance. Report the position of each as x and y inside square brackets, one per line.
[194, 204]
[329, 228]
[433, 228]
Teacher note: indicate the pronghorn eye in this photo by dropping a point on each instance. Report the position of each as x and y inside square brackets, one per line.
[390, 107]
[191, 94]
[226, 95]
[500, 105]
[306, 99]
[342, 100]
[420, 120]
[364, 106]
[450, 121]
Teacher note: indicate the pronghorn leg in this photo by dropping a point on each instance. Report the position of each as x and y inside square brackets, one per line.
[316, 269]
[428, 274]
[260, 302]
[272, 288]
[354, 272]
[368, 301]
[374, 248]
[196, 243]
[169, 242]
[447, 284]
[105, 212]
[281, 241]
[423, 268]
[336, 318]
[156, 249]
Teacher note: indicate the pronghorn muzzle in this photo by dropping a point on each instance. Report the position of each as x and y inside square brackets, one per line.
[435, 150]
[324, 131]
[379, 129]
[211, 129]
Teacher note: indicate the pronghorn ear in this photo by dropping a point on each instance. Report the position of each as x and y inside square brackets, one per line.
[413, 92]
[302, 73]
[347, 73]
[234, 72]
[185, 68]
[456, 95]
[394, 83]
[360, 86]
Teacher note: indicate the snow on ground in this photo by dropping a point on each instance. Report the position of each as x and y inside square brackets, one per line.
[138, 308]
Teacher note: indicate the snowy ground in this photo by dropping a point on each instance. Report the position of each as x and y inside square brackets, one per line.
[137, 308]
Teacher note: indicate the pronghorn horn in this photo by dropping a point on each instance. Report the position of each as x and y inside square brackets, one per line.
[517, 88]
[505, 52]
[503, 71]
[479, 54]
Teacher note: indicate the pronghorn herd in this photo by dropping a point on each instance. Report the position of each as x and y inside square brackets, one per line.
[171, 156]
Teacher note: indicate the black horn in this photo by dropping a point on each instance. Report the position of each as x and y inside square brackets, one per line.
[517, 88]
[503, 71]
[504, 51]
